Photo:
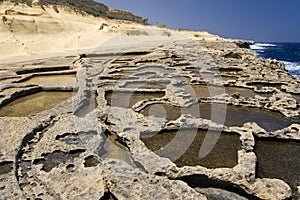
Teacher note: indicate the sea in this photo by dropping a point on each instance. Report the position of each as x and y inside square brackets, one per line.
[288, 53]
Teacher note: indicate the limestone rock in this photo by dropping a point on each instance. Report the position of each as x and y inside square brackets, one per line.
[219, 194]
[124, 182]
[77, 149]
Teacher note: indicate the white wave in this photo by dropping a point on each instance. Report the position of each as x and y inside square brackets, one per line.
[265, 45]
[257, 47]
[261, 46]
[292, 66]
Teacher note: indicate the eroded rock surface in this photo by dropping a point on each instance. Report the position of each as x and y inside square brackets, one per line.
[91, 145]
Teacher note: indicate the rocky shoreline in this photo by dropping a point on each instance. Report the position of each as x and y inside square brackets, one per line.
[91, 145]
[149, 113]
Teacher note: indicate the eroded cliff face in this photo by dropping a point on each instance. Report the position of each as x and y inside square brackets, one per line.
[31, 30]
[99, 9]
[88, 6]
[125, 15]
[45, 29]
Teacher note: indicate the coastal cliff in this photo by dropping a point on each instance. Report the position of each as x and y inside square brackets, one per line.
[95, 106]
[88, 6]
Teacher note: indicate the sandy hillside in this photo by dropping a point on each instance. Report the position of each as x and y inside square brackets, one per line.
[44, 30]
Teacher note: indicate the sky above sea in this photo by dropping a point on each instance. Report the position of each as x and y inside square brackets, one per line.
[258, 20]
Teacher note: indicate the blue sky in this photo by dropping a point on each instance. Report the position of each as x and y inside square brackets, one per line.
[259, 20]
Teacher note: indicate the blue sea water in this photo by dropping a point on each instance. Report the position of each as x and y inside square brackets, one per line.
[288, 53]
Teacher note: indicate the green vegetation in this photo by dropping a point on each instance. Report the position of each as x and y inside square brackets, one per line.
[88, 6]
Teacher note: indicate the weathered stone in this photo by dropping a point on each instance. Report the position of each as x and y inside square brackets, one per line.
[124, 182]
[218, 194]
[89, 147]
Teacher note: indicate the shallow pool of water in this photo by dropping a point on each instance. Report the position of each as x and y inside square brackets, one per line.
[278, 159]
[5, 167]
[145, 85]
[238, 115]
[9, 91]
[52, 79]
[161, 110]
[129, 99]
[188, 143]
[204, 91]
[9, 80]
[112, 149]
[34, 103]
[222, 114]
